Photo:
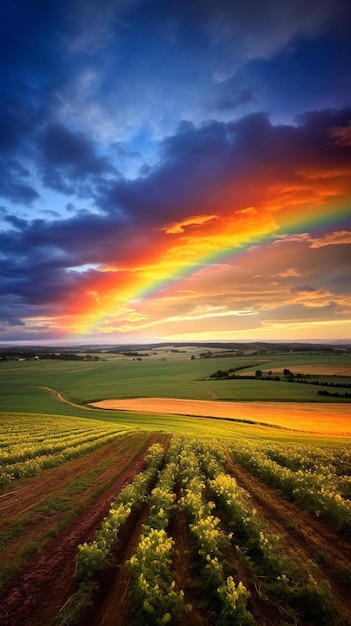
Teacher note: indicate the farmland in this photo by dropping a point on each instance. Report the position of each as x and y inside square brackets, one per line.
[160, 517]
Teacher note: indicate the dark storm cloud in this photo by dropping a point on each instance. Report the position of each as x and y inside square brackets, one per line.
[8, 317]
[15, 222]
[88, 84]
[13, 185]
[74, 151]
[33, 272]
[18, 119]
[32, 40]
[196, 162]
[46, 47]
[44, 246]
[231, 99]
[69, 159]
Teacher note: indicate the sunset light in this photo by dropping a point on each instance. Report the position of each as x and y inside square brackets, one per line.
[175, 173]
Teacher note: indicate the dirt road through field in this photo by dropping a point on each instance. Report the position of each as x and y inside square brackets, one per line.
[331, 419]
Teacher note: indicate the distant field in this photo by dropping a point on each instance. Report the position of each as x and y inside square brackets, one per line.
[332, 369]
[315, 418]
[162, 374]
[58, 387]
[319, 369]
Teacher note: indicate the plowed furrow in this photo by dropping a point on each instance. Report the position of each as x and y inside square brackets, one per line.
[47, 580]
[114, 599]
[306, 538]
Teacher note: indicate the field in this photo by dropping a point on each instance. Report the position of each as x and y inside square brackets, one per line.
[212, 501]
[298, 416]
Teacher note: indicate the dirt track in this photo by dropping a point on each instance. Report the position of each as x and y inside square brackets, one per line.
[29, 599]
[307, 539]
[331, 419]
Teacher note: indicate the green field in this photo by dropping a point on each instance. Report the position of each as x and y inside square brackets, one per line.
[165, 375]
[192, 520]
[25, 386]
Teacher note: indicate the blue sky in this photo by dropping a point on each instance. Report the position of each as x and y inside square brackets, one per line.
[121, 119]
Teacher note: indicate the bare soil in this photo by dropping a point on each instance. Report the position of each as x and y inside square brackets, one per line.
[187, 578]
[46, 580]
[306, 538]
[330, 419]
[113, 604]
[307, 541]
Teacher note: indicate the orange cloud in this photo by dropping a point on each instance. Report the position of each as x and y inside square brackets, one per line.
[290, 273]
[341, 135]
[196, 220]
[332, 239]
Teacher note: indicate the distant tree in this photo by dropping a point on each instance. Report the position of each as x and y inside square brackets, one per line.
[258, 373]
[205, 355]
[287, 372]
[219, 374]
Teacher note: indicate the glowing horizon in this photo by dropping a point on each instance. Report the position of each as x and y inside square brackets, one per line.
[167, 274]
[176, 171]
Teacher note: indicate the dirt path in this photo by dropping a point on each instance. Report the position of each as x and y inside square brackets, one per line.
[60, 397]
[30, 493]
[331, 419]
[114, 599]
[186, 577]
[260, 606]
[306, 538]
[29, 513]
[47, 580]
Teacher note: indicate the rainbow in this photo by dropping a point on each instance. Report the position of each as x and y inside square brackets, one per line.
[169, 269]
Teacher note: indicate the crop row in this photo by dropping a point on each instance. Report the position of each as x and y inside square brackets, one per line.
[313, 480]
[22, 453]
[30, 426]
[11, 440]
[334, 461]
[47, 449]
[227, 536]
[278, 576]
[228, 599]
[95, 559]
[156, 598]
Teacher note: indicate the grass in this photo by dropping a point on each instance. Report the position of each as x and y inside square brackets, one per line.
[264, 390]
[21, 384]
[201, 427]
[23, 397]
[22, 388]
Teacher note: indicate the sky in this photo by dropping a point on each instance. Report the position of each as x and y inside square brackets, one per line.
[175, 171]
